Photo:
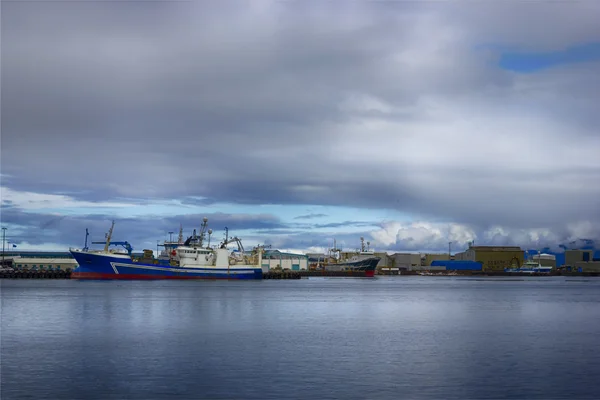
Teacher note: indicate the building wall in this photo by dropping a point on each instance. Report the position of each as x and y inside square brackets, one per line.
[294, 262]
[572, 257]
[592, 266]
[44, 263]
[496, 258]
[458, 265]
[429, 258]
[385, 260]
[407, 261]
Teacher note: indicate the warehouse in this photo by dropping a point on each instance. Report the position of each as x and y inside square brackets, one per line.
[581, 261]
[406, 261]
[493, 258]
[41, 260]
[275, 259]
[431, 257]
[457, 265]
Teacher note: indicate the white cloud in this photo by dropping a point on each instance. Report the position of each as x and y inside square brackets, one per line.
[41, 201]
[435, 236]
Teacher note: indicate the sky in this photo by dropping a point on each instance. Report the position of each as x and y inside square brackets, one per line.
[293, 123]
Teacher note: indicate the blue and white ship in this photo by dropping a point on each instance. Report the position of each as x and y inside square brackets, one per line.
[190, 260]
[530, 267]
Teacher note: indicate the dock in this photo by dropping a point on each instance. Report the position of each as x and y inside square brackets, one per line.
[35, 274]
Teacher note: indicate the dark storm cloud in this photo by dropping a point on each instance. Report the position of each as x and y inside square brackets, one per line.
[39, 228]
[295, 104]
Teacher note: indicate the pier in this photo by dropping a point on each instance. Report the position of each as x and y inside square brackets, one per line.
[35, 274]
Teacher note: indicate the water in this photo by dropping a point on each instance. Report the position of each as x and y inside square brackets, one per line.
[388, 338]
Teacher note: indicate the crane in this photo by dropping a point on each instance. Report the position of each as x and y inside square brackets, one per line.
[126, 245]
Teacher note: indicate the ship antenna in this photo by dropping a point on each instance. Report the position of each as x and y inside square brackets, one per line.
[180, 239]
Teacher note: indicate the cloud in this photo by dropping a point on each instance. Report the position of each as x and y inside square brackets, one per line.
[344, 224]
[43, 201]
[310, 216]
[39, 228]
[427, 236]
[392, 106]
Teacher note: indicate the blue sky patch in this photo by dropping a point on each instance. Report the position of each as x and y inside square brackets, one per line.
[527, 62]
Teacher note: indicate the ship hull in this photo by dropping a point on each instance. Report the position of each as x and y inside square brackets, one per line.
[365, 268]
[106, 266]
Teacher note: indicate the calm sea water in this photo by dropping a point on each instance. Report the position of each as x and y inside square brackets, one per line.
[318, 338]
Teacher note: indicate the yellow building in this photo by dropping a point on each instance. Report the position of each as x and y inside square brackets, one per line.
[582, 261]
[494, 258]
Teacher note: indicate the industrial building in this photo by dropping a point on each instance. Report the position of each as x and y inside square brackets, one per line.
[456, 265]
[41, 260]
[493, 258]
[429, 258]
[275, 259]
[405, 261]
[581, 261]
[545, 260]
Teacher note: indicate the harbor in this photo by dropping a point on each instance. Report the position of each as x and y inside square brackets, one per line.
[195, 258]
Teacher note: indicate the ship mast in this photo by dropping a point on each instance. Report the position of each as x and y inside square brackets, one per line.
[108, 237]
[203, 230]
[180, 238]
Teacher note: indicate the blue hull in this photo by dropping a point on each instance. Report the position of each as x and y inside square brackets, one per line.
[99, 266]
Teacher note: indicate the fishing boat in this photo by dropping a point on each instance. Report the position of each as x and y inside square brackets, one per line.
[190, 260]
[361, 264]
[530, 267]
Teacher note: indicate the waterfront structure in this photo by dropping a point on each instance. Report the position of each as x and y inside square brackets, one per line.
[29, 260]
[456, 265]
[493, 258]
[406, 261]
[581, 261]
[275, 259]
[545, 260]
[429, 258]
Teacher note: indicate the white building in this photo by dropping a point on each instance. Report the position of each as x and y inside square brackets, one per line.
[279, 259]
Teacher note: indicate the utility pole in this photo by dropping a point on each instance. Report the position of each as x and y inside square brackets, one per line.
[3, 240]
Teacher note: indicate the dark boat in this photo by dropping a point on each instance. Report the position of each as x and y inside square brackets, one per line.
[362, 264]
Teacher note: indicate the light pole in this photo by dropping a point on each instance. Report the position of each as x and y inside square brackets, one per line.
[449, 250]
[3, 240]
